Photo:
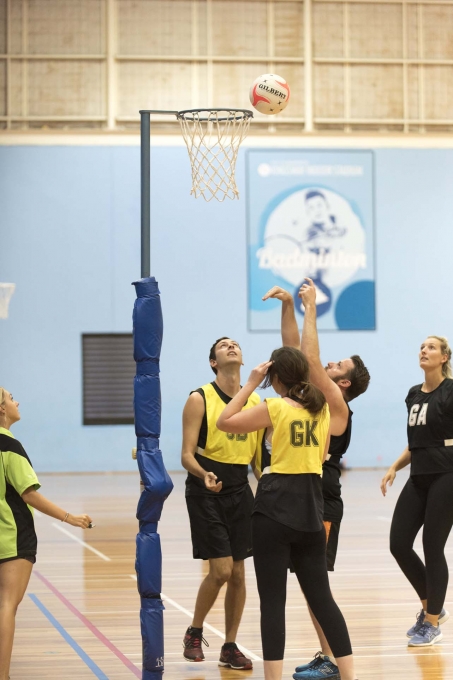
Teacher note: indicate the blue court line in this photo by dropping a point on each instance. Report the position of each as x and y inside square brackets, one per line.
[85, 658]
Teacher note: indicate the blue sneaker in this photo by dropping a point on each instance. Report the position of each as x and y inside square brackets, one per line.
[319, 667]
[443, 616]
[427, 635]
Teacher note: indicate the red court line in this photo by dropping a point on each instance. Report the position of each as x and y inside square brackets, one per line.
[100, 636]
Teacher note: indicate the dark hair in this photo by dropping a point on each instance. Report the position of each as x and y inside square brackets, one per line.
[313, 194]
[212, 356]
[291, 368]
[359, 377]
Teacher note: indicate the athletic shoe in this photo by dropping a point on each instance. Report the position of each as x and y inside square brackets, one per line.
[319, 667]
[192, 644]
[426, 636]
[443, 616]
[317, 659]
[232, 657]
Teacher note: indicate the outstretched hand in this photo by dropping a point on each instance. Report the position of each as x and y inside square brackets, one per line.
[259, 373]
[279, 294]
[82, 521]
[308, 292]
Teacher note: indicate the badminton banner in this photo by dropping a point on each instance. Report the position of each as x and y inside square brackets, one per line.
[311, 213]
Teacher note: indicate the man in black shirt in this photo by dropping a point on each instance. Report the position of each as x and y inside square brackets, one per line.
[340, 382]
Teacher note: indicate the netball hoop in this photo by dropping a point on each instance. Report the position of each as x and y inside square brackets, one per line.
[6, 293]
[213, 138]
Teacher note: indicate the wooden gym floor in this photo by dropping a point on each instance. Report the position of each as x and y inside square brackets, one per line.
[79, 618]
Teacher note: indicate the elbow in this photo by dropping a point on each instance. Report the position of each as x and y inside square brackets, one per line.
[221, 425]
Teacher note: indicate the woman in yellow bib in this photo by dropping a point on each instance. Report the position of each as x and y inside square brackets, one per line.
[288, 511]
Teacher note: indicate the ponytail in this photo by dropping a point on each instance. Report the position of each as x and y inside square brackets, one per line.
[290, 366]
[309, 396]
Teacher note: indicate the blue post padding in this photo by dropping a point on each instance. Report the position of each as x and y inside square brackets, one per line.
[151, 675]
[148, 329]
[148, 564]
[152, 625]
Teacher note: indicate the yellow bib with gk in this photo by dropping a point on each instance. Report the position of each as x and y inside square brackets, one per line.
[299, 438]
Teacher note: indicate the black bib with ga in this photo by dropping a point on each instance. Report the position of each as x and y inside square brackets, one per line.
[331, 473]
[430, 429]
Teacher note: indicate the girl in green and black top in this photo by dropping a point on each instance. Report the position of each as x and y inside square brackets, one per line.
[18, 496]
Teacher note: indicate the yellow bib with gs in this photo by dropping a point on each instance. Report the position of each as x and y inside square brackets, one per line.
[222, 446]
[299, 438]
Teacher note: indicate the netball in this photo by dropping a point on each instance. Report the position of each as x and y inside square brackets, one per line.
[269, 94]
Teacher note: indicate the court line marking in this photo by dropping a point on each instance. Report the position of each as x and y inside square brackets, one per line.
[205, 625]
[91, 627]
[70, 640]
[79, 540]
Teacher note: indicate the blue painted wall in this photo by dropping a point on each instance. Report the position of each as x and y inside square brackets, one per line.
[69, 239]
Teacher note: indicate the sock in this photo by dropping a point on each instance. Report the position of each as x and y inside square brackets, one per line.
[192, 629]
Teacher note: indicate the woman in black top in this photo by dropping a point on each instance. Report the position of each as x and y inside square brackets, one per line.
[427, 498]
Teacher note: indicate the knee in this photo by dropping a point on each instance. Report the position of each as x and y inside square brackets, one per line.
[221, 574]
[398, 547]
[10, 604]
[237, 577]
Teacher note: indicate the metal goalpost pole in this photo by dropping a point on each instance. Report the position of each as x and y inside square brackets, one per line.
[155, 481]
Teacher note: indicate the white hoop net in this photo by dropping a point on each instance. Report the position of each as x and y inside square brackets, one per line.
[6, 292]
[213, 138]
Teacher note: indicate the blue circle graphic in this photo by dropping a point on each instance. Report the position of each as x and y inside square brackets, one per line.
[356, 307]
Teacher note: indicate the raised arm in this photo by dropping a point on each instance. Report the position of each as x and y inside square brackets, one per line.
[233, 419]
[192, 419]
[309, 345]
[399, 464]
[290, 330]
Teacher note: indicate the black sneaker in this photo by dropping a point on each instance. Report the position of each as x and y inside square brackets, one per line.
[192, 644]
[232, 657]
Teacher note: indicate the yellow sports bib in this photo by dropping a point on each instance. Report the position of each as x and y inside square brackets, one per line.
[299, 438]
[222, 446]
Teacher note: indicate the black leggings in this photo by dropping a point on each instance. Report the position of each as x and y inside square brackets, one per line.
[426, 500]
[273, 546]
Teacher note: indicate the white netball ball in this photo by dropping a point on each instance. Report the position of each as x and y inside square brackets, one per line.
[269, 94]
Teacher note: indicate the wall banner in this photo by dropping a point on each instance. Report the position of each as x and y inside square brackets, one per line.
[311, 213]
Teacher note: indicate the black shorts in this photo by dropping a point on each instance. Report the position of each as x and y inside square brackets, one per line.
[332, 533]
[221, 525]
[29, 558]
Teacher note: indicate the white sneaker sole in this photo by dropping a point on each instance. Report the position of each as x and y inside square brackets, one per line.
[438, 638]
[234, 668]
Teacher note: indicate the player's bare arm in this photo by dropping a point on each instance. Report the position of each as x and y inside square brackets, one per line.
[399, 464]
[192, 418]
[290, 330]
[234, 420]
[309, 345]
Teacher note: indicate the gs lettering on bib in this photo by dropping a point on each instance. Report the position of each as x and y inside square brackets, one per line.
[417, 414]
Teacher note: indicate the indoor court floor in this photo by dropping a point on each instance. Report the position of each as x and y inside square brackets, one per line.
[80, 616]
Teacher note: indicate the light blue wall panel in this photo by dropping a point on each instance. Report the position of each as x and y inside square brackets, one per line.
[69, 239]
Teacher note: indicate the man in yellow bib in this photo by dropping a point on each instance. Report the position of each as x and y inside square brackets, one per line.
[219, 500]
